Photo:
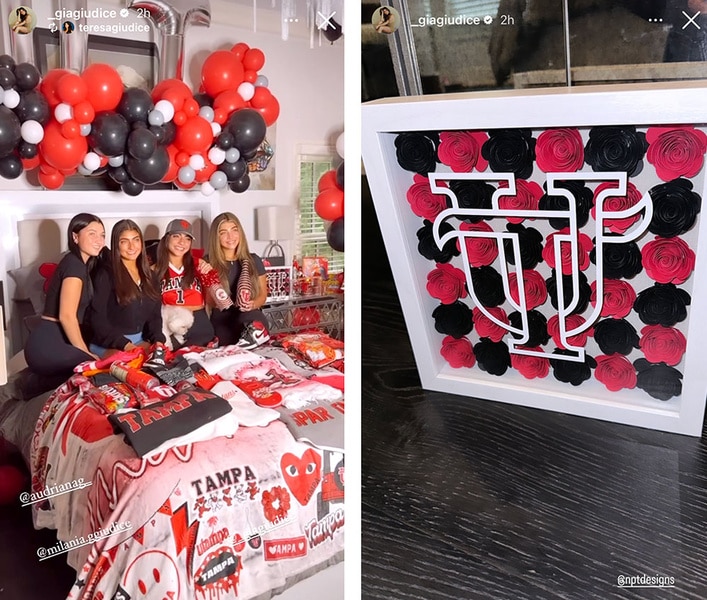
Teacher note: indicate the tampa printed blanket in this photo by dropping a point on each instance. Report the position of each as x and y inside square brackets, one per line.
[237, 517]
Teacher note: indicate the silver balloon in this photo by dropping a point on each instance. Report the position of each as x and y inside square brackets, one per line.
[74, 46]
[172, 18]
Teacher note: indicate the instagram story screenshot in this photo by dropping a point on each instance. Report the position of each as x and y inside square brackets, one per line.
[172, 300]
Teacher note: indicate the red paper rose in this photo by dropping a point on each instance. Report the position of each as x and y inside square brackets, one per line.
[616, 372]
[422, 201]
[619, 297]
[662, 344]
[615, 204]
[446, 283]
[485, 327]
[482, 251]
[572, 322]
[668, 260]
[534, 286]
[559, 151]
[458, 352]
[531, 367]
[584, 247]
[676, 151]
[528, 194]
[461, 150]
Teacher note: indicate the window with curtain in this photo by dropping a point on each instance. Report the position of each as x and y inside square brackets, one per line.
[311, 239]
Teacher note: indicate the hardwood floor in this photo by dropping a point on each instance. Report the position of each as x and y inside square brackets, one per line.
[465, 498]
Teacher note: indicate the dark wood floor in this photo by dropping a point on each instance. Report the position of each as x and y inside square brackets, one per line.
[466, 498]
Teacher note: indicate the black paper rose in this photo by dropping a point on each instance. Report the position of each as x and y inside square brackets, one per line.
[510, 151]
[612, 148]
[616, 335]
[584, 200]
[663, 304]
[660, 381]
[621, 261]
[537, 328]
[574, 373]
[428, 247]
[472, 194]
[530, 241]
[585, 291]
[453, 319]
[488, 286]
[675, 208]
[416, 152]
[492, 357]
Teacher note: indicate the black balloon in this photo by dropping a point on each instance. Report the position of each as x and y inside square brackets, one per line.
[340, 176]
[248, 129]
[203, 99]
[7, 62]
[240, 185]
[10, 133]
[148, 170]
[132, 187]
[135, 104]
[7, 78]
[250, 155]
[335, 235]
[234, 170]
[109, 132]
[27, 77]
[118, 174]
[225, 140]
[10, 166]
[332, 31]
[33, 106]
[138, 125]
[170, 130]
[141, 143]
[27, 150]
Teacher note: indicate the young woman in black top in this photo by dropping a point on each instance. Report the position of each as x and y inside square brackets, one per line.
[58, 343]
[125, 310]
[228, 251]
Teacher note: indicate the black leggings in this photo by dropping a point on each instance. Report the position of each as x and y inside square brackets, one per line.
[201, 332]
[229, 324]
[49, 352]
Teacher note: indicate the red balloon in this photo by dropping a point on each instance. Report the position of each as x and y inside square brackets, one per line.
[70, 129]
[221, 71]
[174, 90]
[61, 152]
[227, 102]
[184, 186]
[181, 158]
[271, 111]
[329, 204]
[71, 89]
[253, 59]
[327, 181]
[173, 169]
[12, 482]
[180, 117]
[84, 113]
[220, 116]
[203, 175]
[261, 97]
[250, 76]
[191, 107]
[104, 86]
[51, 181]
[194, 136]
[30, 163]
[240, 49]
[49, 84]
[47, 168]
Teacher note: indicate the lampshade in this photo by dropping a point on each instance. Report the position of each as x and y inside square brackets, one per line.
[274, 223]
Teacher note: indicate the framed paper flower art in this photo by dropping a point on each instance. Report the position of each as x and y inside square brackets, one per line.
[551, 244]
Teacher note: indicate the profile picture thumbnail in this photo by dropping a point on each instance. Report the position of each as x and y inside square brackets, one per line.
[68, 27]
[386, 19]
[22, 19]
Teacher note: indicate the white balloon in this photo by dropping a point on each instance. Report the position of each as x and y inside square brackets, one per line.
[166, 108]
[32, 131]
[116, 161]
[197, 162]
[216, 155]
[246, 90]
[63, 112]
[215, 128]
[207, 189]
[340, 145]
[91, 161]
[2, 95]
[11, 98]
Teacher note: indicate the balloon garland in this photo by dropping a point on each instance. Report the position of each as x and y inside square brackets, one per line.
[329, 203]
[88, 123]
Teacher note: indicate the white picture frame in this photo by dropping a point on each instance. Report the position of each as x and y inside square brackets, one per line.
[642, 105]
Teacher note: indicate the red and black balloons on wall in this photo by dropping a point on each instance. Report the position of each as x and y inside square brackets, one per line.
[329, 204]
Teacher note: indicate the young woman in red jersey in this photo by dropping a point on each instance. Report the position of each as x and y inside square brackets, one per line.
[179, 281]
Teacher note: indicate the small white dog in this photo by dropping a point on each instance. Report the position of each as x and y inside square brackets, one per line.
[176, 321]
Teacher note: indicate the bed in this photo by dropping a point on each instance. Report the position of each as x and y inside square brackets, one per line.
[246, 512]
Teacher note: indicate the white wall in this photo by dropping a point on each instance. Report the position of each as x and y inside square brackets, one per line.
[308, 82]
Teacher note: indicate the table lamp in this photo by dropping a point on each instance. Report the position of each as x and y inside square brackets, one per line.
[274, 223]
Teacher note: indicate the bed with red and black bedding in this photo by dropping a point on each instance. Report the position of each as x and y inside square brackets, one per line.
[203, 494]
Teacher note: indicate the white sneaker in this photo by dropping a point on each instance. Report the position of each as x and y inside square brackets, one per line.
[255, 334]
